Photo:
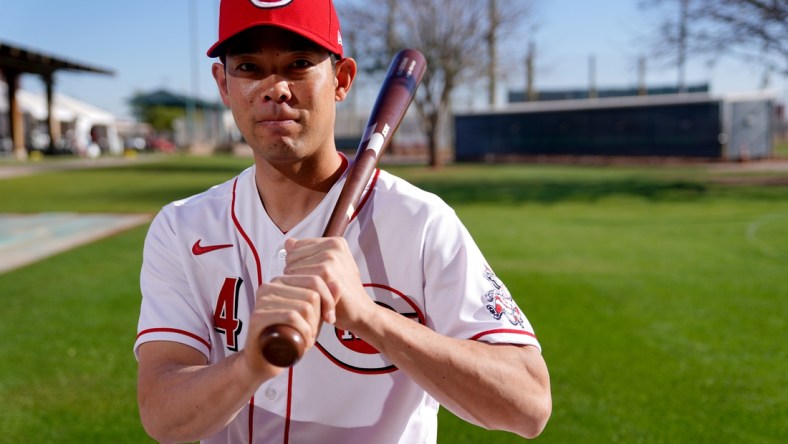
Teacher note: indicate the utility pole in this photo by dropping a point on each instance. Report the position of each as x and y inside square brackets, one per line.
[682, 42]
[530, 91]
[392, 45]
[592, 92]
[492, 50]
[191, 107]
[642, 76]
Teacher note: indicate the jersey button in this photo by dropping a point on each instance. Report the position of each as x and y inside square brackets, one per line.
[282, 254]
[270, 393]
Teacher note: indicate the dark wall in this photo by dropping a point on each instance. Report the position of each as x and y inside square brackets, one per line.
[687, 130]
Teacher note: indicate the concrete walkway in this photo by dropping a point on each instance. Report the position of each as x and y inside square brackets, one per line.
[27, 238]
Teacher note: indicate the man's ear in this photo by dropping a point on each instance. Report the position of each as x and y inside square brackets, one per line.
[346, 73]
[220, 76]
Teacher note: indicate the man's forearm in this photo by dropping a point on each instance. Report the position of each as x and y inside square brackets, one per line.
[188, 402]
[502, 387]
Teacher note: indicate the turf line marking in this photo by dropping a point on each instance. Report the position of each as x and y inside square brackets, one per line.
[764, 247]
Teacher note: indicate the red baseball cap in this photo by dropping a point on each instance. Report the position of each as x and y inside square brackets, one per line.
[315, 20]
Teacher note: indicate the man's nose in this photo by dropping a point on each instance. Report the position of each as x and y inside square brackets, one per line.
[278, 91]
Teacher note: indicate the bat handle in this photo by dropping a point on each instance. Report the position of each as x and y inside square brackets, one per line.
[281, 345]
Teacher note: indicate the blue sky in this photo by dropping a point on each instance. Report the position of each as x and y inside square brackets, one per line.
[148, 45]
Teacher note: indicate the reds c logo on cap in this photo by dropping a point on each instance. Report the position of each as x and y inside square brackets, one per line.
[266, 4]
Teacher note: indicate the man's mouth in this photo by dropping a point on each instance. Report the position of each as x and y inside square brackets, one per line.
[276, 121]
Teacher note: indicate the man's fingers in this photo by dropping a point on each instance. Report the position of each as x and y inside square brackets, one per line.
[323, 257]
[314, 290]
[312, 251]
[282, 304]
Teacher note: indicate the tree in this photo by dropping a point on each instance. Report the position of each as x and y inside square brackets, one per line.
[453, 35]
[504, 17]
[755, 30]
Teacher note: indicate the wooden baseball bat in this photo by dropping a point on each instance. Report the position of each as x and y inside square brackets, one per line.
[282, 345]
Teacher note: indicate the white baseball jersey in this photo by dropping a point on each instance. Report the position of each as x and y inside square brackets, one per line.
[206, 255]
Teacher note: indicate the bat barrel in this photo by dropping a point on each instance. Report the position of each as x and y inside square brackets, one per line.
[351, 193]
[399, 87]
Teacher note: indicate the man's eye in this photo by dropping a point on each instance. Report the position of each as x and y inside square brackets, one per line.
[247, 67]
[301, 64]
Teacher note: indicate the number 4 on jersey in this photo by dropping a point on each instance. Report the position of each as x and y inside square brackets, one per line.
[225, 317]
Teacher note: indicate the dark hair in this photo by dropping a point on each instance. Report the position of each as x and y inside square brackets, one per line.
[334, 58]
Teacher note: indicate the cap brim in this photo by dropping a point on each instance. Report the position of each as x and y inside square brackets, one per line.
[218, 48]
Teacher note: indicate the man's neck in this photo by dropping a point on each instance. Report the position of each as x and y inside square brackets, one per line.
[290, 192]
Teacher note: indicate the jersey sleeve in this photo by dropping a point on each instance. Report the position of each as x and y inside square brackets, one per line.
[169, 311]
[463, 296]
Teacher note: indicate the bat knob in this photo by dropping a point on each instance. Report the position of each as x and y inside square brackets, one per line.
[281, 345]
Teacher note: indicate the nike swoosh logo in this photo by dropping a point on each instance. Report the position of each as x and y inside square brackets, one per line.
[198, 249]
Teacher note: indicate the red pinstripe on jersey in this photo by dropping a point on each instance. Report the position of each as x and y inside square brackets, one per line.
[246, 236]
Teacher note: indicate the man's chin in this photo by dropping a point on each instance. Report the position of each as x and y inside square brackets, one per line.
[281, 152]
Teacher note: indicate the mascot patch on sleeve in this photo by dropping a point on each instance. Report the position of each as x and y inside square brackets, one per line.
[499, 302]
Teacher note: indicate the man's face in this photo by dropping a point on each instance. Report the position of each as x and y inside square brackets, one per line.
[282, 91]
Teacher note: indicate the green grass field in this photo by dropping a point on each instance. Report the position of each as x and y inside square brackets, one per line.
[658, 294]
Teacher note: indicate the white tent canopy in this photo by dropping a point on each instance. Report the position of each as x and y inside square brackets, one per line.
[67, 109]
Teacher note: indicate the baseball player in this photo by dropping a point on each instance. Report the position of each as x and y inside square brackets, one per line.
[401, 315]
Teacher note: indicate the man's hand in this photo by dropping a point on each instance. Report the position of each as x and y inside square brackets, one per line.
[330, 260]
[294, 301]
